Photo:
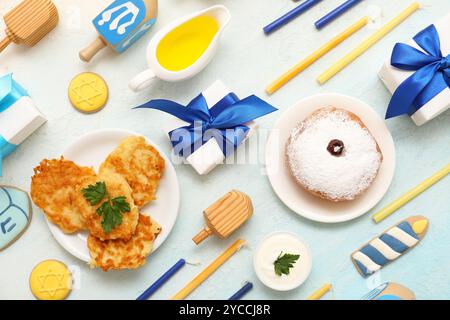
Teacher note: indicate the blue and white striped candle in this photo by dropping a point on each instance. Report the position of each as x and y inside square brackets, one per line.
[390, 245]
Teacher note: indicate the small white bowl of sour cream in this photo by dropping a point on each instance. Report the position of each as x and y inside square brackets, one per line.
[270, 249]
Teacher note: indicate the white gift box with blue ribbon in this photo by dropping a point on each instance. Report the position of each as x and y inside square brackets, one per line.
[19, 116]
[211, 126]
[209, 155]
[394, 77]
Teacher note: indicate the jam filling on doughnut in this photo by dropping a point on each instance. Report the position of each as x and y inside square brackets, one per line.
[336, 147]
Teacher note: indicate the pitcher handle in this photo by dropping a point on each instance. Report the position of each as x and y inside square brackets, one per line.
[142, 80]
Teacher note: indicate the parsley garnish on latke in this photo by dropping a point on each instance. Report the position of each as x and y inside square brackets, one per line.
[111, 210]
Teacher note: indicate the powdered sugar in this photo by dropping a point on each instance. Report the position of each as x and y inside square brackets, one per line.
[340, 177]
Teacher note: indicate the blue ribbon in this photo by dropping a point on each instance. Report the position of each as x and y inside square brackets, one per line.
[10, 92]
[223, 122]
[431, 76]
[5, 149]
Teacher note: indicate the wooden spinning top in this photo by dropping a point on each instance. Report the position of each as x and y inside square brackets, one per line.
[29, 22]
[226, 215]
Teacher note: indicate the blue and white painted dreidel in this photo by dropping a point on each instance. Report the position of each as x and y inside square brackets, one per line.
[120, 25]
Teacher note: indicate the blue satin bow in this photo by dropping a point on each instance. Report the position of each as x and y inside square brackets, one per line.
[432, 74]
[223, 122]
[10, 92]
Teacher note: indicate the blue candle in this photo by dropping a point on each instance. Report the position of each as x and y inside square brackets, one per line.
[290, 15]
[158, 283]
[322, 22]
[242, 292]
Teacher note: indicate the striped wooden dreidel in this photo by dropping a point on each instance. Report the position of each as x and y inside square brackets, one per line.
[120, 25]
[29, 22]
[226, 215]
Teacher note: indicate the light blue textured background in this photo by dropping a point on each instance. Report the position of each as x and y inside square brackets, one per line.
[246, 62]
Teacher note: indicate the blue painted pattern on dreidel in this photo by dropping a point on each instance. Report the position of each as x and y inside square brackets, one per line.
[136, 35]
[120, 20]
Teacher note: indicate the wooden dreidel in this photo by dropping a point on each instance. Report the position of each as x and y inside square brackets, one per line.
[120, 25]
[29, 22]
[226, 215]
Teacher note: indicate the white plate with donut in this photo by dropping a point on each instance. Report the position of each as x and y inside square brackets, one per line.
[294, 195]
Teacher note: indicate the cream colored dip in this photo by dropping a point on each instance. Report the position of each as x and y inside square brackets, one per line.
[268, 252]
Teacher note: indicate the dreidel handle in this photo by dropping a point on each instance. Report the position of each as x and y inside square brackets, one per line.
[88, 53]
[4, 43]
[202, 235]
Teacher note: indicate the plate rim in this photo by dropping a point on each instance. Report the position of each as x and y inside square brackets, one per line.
[318, 217]
[53, 227]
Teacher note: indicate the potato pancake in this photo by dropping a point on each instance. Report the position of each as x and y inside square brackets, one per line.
[140, 164]
[55, 189]
[116, 186]
[121, 254]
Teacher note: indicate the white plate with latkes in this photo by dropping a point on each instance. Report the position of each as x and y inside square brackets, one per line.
[303, 202]
[91, 150]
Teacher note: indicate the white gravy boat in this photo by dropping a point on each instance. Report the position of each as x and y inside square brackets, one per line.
[219, 12]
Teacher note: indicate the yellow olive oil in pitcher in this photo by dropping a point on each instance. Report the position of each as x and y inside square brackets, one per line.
[185, 44]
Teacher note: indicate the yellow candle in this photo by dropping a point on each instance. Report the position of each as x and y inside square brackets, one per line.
[209, 270]
[320, 292]
[367, 44]
[316, 55]
[411, 194]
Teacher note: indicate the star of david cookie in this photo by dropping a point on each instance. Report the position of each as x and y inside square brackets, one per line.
[88, 92]
[51, 280]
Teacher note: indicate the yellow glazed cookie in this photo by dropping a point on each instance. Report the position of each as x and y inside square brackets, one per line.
[88, 92]
[50, 280]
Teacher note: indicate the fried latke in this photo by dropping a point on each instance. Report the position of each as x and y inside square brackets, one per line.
[54, 189]
[116, 186]
[140, 164]
[121, 254]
